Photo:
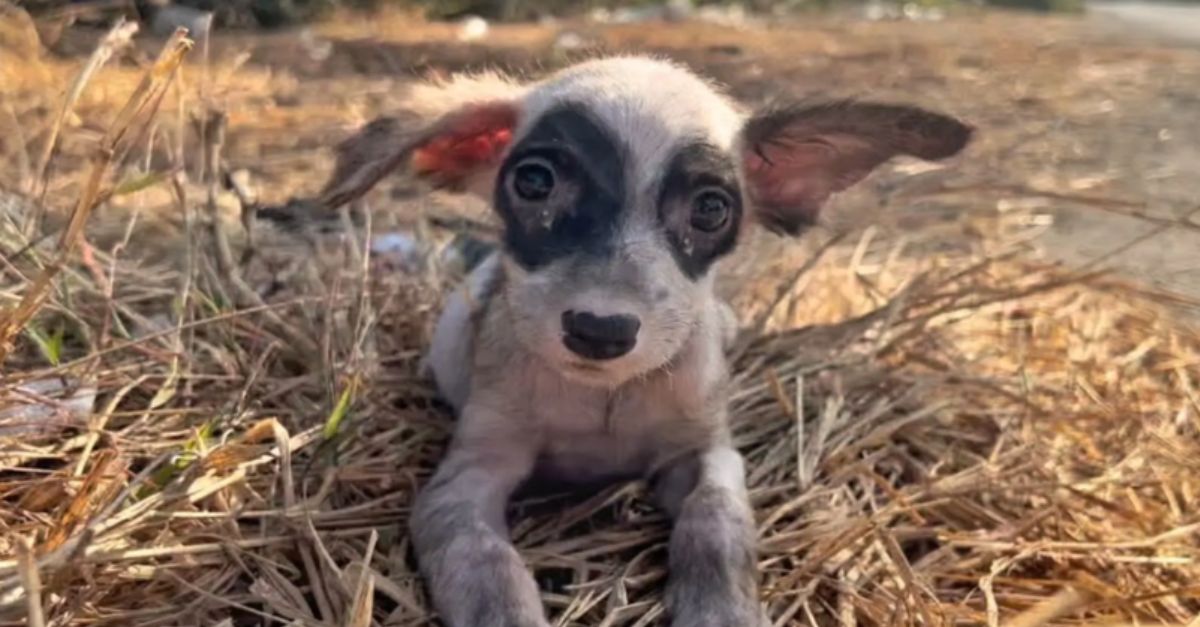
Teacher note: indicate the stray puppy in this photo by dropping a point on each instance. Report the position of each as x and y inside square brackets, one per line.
[590, 347]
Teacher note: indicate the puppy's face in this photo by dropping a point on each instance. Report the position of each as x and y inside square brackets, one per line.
[620, 183]
[609, 267]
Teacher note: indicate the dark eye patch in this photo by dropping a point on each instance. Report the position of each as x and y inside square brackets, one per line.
[697, 171]
[584, 211]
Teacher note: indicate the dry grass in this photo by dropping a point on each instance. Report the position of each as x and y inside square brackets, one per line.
[956, 438]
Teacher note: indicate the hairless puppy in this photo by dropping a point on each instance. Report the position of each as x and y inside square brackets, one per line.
[591, 345]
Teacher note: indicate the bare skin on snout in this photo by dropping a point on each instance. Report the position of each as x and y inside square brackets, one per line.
[591, 346]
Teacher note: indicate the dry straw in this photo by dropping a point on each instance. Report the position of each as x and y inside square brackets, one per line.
[963, 438]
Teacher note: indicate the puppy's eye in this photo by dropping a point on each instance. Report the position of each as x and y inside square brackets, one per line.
[533, 179]
[711, 209]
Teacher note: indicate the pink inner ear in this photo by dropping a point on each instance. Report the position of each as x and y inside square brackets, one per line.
[466, 142]
[796, 157]
[794, 177]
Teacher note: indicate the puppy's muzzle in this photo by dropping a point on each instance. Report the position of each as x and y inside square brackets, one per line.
[599, 337]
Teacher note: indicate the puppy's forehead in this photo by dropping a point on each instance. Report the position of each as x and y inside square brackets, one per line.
[650, 107]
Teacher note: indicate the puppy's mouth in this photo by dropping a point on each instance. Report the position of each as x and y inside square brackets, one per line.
[590, 367]
[592, 373]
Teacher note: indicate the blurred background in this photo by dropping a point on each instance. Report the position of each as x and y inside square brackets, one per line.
[1087, 110]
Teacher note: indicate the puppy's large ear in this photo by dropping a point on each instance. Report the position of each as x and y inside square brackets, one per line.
[452, 134]
[465, 145]
[796, 156]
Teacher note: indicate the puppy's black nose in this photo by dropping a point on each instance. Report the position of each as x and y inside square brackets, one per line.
[599, 337]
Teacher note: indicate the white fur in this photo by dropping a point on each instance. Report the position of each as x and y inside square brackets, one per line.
[453, 337]
[652, 102]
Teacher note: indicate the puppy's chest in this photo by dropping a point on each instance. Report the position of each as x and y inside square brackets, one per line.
[593, 435]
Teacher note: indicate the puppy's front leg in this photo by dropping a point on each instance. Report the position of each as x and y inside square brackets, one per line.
[713, 581]
[458, 529]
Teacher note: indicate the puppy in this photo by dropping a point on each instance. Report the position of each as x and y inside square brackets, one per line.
[591, 345]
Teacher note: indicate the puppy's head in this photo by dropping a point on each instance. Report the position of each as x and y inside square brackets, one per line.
[621, 181]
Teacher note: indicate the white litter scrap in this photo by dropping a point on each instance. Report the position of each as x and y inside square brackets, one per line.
[472, 28]
[919, 13]
[879, 10]
[405, 251]
[731, 15]
[401, 250]
[44, 406]
[570, 41]
[600, 15]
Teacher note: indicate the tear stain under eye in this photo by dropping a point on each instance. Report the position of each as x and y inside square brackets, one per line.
[694, 166]
[688, 247]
